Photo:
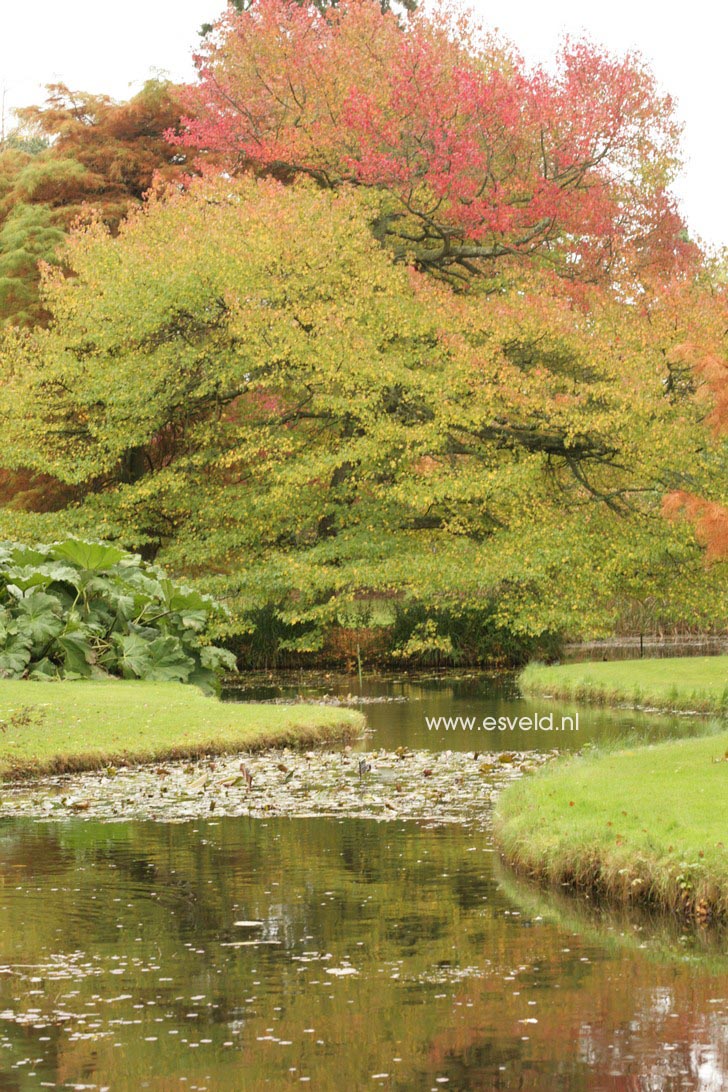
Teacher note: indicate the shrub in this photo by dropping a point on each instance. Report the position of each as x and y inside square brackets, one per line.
[77, 609]
[425, 635]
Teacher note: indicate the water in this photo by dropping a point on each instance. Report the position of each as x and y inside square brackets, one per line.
[397, 709]
[632, 648]
[380, 949]
[240, 954]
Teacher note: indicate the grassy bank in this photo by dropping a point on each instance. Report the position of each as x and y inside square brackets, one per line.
[659, 937]
[696, 684]
[644, 826]
[68, 726]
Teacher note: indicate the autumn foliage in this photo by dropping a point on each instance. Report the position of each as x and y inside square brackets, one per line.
[710, 517]
[482, 159]
[100, 151]
[428, 330]
[74, 154]
[243, 382]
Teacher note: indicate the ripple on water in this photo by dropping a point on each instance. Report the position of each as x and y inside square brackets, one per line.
[376, 948]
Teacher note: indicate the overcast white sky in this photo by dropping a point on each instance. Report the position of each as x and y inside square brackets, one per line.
[113, 48]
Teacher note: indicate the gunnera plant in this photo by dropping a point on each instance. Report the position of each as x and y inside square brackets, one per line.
[77, 609]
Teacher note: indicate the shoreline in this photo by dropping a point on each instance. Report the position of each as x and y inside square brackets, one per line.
[641, 827]
[53, 728]
[691, 686]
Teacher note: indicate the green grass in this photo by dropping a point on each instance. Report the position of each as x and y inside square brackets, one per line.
[697, 684]
[643, 826]
[66, 726]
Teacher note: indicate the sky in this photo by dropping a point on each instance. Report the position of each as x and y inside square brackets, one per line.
[112, 49]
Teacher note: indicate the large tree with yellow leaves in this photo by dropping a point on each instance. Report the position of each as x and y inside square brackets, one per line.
[245, 383]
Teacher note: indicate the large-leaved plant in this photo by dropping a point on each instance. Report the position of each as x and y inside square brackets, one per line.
[77, 609]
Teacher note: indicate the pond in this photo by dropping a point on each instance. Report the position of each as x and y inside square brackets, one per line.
[337, 953]
[400, 708]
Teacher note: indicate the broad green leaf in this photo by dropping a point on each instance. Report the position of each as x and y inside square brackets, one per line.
[195, 620]
[145, 588]
[182, 599]
[39, 616]
[29, 576]
[123, 607]
[134, 655]
[26, 578]
[33, 556]
[216, 658]
[45, 669]
[14, 656]
[77, 654]
[91, 556]
[168, 661]
[205, 679]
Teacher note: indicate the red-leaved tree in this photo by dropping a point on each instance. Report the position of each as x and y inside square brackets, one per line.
[480, 160]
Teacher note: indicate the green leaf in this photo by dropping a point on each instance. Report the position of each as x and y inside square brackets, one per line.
[45, 669]
[134, 656]
[91, 556]
[169, 662]
[43, 576]
[26, 578]
[15, 656]
[142, 584]
[207, 680]
[216, 658]
[33, 556]
[78, 657]
[179, 598]
[39, 616]
[123, 606]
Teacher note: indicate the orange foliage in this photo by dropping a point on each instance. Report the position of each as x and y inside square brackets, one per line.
[697, 355]
[710, 519]
[120, 148]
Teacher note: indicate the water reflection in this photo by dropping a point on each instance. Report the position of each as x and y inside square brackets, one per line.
[364, 955]
[398, 707]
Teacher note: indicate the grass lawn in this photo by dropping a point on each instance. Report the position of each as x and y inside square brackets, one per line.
[688, 684]
[60, 727]
[647, 825]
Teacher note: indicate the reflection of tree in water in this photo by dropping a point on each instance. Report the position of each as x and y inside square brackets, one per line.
[447, 965]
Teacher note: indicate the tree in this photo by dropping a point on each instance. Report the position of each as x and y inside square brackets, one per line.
[480, 163]
[321, 5]
[709, 366]
[28, 236]
[74, 153]
[245, 383]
